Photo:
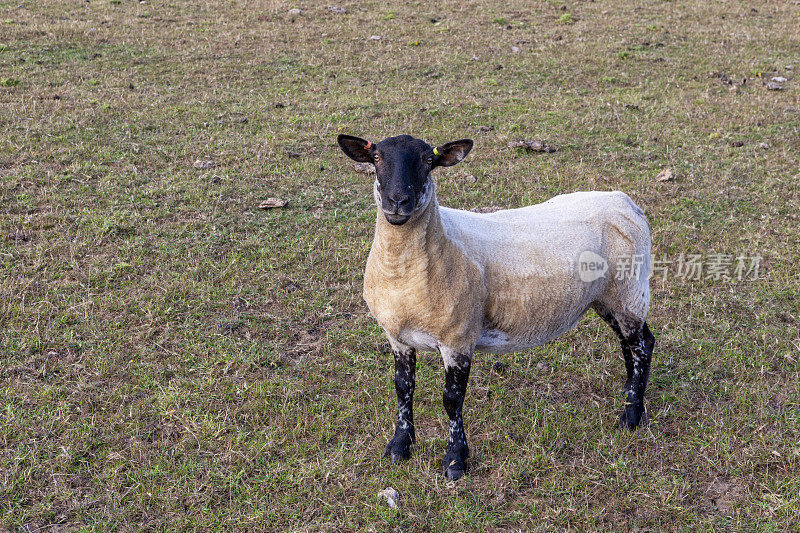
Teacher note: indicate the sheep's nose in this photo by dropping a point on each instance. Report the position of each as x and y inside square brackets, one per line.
[400, 200]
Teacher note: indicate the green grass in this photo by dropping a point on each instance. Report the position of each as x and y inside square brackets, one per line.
[172, 357]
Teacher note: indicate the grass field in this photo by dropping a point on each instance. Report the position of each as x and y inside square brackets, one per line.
[173, 357]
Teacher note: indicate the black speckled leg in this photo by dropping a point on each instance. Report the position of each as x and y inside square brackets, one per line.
[641, 343]
[637, 348]
[455, 388]
[405, 368]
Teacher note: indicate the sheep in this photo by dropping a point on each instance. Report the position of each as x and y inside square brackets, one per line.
[457, 281]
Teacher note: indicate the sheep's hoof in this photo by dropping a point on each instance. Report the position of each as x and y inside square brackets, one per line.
[399, 448]
[453, 466]
[631, 418]
[453, 473]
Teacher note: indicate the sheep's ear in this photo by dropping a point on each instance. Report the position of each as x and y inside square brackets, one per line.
[451, 153]
[356, 148]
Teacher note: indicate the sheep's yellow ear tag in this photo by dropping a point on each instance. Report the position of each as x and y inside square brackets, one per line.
[436, 152]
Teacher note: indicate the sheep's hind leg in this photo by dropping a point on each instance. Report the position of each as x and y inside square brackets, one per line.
[405, 369]
[457, 368]
[641, 342]
[637, 344]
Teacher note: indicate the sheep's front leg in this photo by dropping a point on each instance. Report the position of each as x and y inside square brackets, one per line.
[405, 369]
[455, 388]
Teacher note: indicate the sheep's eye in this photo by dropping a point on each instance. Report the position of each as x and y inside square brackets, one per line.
[376, 157]
[430, 160]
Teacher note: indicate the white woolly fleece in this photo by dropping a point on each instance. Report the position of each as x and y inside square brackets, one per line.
[457, 281]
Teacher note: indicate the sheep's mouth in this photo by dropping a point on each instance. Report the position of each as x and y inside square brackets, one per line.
[396, 220]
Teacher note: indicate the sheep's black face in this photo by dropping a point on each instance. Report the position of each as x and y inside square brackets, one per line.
[402, 165]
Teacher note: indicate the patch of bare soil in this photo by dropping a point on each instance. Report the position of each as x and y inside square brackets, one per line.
[723, 495]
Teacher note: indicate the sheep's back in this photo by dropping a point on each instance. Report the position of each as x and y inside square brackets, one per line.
[530, 259]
